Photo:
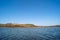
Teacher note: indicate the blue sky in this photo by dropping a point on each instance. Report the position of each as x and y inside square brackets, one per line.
[38, 12]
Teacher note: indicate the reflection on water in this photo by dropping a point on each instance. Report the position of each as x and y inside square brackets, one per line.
[29, 33]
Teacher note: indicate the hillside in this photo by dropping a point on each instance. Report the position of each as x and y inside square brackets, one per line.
[25, 25]
[17, 25]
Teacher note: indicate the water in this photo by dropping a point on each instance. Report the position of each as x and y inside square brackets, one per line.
[30, 33]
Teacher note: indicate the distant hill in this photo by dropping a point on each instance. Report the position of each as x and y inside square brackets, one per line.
[54, 26]
[17, 25]
[25, 25]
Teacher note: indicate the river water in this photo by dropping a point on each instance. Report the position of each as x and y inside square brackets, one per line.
[30, 33]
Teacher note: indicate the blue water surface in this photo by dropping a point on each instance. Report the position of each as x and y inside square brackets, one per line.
[30, 33]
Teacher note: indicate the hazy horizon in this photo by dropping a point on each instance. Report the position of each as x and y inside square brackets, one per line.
[38, 12]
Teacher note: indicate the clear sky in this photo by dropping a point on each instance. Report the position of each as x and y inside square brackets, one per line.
[38, 12]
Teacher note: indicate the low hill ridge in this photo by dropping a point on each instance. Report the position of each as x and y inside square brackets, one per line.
[25, 25]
